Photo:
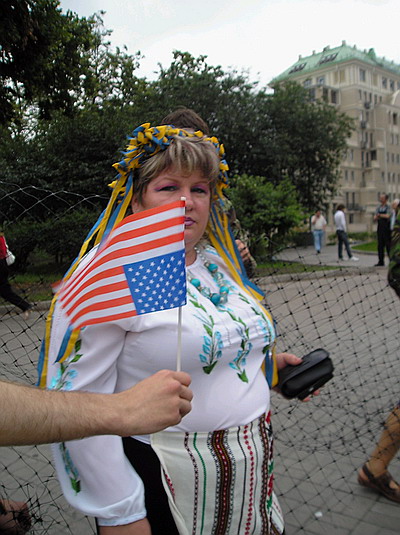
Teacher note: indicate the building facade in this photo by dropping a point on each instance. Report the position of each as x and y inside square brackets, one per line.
[367, 88]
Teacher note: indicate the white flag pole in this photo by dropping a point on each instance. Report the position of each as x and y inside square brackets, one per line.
[179, 350]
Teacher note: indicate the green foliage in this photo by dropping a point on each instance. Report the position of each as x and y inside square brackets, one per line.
[62, 238]
[41, 53]
[267, 212]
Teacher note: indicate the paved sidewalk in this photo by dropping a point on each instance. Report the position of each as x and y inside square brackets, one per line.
[319, 445]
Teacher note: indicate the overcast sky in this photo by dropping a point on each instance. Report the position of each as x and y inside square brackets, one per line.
[262, 36]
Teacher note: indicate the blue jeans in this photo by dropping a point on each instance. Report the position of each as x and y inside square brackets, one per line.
[343, 239]
[318, 235]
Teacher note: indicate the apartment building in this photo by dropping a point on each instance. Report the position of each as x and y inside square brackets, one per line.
[367, 88]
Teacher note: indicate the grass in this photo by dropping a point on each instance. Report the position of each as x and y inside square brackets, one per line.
[371, 246]
[279, 267]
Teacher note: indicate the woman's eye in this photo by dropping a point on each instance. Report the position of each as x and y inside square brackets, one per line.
[199, 189]
[167, 188]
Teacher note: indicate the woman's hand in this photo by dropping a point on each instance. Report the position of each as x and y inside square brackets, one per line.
[141, 527]
[285, 359]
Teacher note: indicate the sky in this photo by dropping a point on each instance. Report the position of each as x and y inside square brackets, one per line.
[262, 37]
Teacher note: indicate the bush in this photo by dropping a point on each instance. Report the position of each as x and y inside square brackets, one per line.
[268, 212]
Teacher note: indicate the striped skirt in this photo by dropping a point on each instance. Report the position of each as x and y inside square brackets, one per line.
[221, 483]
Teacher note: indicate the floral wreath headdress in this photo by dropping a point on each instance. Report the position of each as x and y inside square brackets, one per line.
[145, 142]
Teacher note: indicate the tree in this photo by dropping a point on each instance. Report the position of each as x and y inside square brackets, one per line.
[268, 212]
[40, 56]
[303, 140]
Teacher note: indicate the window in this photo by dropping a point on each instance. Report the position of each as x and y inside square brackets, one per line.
[391, 85]
[312, 94]
[334, 97]
[384, 82]
[352, 176]
[362, 75]
[297, 68]
[328, 58]
[376, 99]
[395, 118]
[321, 80]
[373, 155]
[307, 82]
[346, 175]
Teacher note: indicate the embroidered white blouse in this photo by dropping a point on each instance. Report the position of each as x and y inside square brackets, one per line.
[222, 349]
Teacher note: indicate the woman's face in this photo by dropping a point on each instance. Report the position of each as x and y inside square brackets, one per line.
[170, 186]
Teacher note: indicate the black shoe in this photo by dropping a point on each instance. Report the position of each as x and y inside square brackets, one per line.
[379, 264]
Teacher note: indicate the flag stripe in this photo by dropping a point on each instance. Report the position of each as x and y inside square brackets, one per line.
[119, 254]
[104, 289]
[99, 305]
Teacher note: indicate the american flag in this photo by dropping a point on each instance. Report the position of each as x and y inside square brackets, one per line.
[140, 268]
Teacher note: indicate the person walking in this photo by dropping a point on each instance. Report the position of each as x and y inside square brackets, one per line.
[341, 232]
[382, 217]
[318, 224]
[6, 291]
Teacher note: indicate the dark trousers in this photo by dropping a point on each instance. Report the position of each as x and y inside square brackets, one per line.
[146, 463]
[384, 236]
[343, 239]
[6, 291]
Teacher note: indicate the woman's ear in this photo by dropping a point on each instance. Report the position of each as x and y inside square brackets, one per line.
[135, 206]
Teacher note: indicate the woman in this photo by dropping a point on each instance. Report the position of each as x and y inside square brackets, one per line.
[216, 481]
[318, 224]
[6, 291]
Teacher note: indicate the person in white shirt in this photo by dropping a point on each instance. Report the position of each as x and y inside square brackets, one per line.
[227, 338]
[318, 224]
[341, 232]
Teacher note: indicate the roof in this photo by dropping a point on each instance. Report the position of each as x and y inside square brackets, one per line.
[332, 56]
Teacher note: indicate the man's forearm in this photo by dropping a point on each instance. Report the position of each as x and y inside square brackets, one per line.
[29, 415]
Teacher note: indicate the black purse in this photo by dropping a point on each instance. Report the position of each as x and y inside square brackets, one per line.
[300, 381]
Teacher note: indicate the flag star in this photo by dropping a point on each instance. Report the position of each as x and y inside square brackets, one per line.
[158, 268]
[152, 264]
[162, 261]
[151, 281]
[137, 290]
[154, 292]
[150, 298]
[179, 262]
[157, 285]
[146, 305]
[175, 269]
[173, 288]
[130, 269]
[148, 270]
[161, 279]
[167, 283]
[144, 294]
[141, 267]
[133, 280]
[140, 300]
[147, 288]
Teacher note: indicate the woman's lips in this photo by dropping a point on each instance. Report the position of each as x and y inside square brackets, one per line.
[188, 221]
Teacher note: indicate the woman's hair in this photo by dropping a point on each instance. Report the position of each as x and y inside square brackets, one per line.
[185, 155]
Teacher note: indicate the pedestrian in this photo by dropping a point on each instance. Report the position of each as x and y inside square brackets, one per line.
[341, 232]
[382, 217]
[6, 291]
[318, 224]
